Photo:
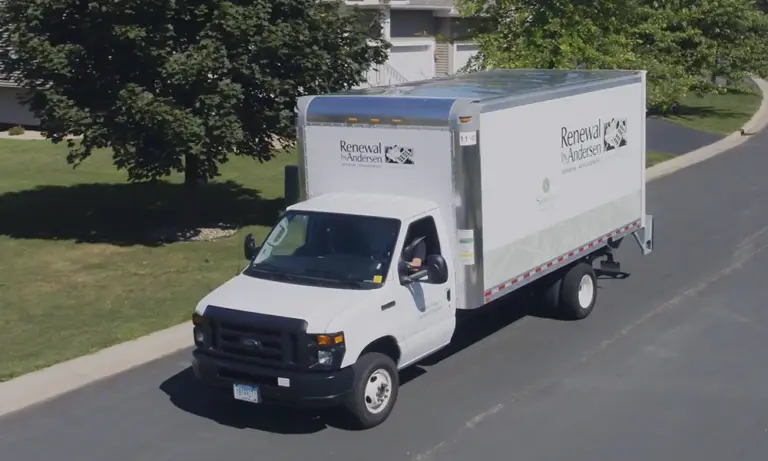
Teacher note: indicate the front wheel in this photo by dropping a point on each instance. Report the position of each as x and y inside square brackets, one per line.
[374, 391]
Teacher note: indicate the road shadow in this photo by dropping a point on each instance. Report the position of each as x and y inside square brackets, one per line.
[475, 325]
[130, 214]
[543, 310]
[191, 396]
[610, 275]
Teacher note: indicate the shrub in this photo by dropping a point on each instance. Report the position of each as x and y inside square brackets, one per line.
[17, 130]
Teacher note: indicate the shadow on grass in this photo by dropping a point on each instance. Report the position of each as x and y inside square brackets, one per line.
[696, 112]
[129, 214]
[686, 110]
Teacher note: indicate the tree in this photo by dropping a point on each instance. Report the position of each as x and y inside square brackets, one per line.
[179, 86]
[679, 42]
[729, 40]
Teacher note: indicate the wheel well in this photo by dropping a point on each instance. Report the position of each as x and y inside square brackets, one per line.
[386, 345]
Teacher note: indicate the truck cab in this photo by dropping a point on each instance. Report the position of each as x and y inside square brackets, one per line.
[328, 310]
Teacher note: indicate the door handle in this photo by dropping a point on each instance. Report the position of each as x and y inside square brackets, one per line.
[448, 294]
[388, 305]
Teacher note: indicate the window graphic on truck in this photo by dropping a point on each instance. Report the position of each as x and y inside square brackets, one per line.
[399, 154]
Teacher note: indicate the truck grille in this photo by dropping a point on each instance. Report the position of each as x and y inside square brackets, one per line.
[255, 337]
[264, 344]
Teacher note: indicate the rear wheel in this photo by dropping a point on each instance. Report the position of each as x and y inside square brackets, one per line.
[374, 391]
[575, 294]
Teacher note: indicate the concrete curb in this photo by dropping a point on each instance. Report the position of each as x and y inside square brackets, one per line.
[758, 121]
[48, 383]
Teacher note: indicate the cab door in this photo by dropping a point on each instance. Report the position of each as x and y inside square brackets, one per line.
[428, 307]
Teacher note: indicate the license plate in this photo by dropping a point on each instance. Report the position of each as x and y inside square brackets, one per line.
[246, 393]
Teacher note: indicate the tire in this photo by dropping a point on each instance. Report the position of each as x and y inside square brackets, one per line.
[551, 292]
[577, 291]
[370, 369]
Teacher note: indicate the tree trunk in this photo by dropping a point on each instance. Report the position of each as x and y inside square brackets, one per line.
[193, 182]
[192, 177]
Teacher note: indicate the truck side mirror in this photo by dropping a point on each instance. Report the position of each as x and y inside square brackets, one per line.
[408, 277]
[437, 269]
[250, 249]
[404, 273]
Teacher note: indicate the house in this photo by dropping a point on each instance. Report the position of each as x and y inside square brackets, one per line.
[428, 38]
[11, 111]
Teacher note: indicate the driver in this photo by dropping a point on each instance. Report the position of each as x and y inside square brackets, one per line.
[414, 255]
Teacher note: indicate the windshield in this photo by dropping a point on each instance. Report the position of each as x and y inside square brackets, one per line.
[328, 249]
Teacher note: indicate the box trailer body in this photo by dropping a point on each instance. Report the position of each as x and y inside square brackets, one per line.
[510, 178]
[521, 163]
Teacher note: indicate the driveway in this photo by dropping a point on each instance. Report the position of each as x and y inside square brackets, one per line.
[670, 138]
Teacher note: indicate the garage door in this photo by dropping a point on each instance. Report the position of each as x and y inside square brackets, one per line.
[414, 62]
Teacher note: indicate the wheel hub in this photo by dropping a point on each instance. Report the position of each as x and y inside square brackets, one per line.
[586, 291]
[378, 391]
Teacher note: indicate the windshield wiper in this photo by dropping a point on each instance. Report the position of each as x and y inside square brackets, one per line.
[272, 269]
[317, 275]
[338, 278]
[267, 267]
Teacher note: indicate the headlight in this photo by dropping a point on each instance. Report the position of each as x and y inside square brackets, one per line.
[324, 357]
[199, 329]
[199, 336]
[328, 348]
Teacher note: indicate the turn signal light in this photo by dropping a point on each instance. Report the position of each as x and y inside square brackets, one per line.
[330, 340]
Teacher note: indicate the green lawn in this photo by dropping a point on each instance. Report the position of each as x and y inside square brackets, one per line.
[79, 272]
[654, 158]
[719, 114]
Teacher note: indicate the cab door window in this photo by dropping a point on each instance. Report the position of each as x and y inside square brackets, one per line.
[421, 241]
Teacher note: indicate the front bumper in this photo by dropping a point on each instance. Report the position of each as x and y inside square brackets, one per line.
[298, 389]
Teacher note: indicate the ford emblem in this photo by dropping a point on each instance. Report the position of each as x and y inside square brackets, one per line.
[248, 342]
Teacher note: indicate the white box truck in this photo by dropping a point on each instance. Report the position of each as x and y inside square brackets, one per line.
[492, 181]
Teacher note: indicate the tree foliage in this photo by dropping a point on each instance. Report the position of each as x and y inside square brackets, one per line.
[682, 44]
[179, 85]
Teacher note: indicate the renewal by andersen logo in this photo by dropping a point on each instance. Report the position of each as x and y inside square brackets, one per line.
[583, 146]
[376, 154]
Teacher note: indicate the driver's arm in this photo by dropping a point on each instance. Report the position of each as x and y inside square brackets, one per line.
[419, 254]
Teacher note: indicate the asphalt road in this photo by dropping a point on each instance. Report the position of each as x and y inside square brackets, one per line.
[671, 138]
[670, 366]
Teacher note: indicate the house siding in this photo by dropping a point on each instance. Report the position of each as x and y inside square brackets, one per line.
[12, 112]
[443, 3]
[413, 23]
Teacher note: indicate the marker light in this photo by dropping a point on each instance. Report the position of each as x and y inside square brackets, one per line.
[329, 340]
